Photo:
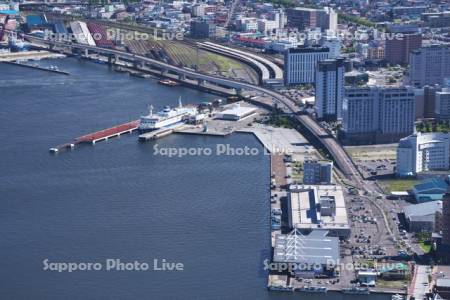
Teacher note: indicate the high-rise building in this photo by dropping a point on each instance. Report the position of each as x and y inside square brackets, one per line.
[442, 104]
[446, 219]
[318, 172]
[329, 88]
[374, 114]
[202, 29]
[423, 152]
[303, 18]
[437, 19]
[300, 64]
[334, 44]
[397, 50]
[429, 65]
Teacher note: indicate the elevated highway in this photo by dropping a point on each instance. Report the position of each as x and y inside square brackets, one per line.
[262, 69]
[276, 71]
[341, 158]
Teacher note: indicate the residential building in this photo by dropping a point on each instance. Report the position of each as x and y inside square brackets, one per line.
[303, 18]
[374, 114]
[202, 29]
[429, 100]
[300, 63]
[429, 65]
[375, 53]
[247, 24]
[411, 11]
[446, 220]
[442, 104]
[397, 50]
[267, 26]
[423, 152]
[198, 10]
[329, 88]
[334, 44]
[318, 172]
[437, 19]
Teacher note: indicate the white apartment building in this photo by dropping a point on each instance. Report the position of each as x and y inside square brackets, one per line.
[334, 44]
[300, 64]
[247, 24]
[329, 89]
[267, 26]
[429, 65]
[423, 152]
[375, 114]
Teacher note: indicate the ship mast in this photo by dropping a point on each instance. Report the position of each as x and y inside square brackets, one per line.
[150, 108]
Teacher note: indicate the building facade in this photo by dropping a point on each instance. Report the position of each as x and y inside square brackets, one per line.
[318, 172]
[446, 219]
[330, 77]
[374, 114]
[423, 152]
[300, 64]
[397, 50]
[429, 65]
[303, 18]
[442, 104]
[202, 29]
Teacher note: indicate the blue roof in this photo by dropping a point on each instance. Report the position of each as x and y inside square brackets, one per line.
[9, 12]
[432, 184]
[59, 27]
[35, 20]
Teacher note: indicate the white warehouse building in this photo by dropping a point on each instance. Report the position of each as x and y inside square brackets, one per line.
[423, 152]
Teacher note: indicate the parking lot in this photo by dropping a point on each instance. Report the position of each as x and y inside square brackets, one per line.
[376, 168]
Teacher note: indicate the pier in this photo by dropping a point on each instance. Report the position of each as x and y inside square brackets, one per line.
[36, 67]
[153, 135]
[97, 136]
[28, 55]
[105, 134]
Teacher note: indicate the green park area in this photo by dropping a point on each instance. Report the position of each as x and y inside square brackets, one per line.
[395, 185]
[433, 126]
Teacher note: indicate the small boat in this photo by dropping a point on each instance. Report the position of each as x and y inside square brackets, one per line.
[120, 70]
[356, 290]
[168, 82]
[280, 288]
[313, 289]
[53, 150]
[140, 75]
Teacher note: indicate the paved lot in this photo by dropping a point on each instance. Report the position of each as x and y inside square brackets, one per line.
[281, 140]
[420, 284]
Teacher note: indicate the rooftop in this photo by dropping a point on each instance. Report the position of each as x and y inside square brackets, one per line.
[422, 209]
[433, 185]
[315, 248]
[306, 211]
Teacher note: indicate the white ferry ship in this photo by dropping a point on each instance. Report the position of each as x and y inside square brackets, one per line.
[165, 118]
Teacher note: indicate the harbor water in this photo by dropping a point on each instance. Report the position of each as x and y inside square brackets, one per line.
[119, 200]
